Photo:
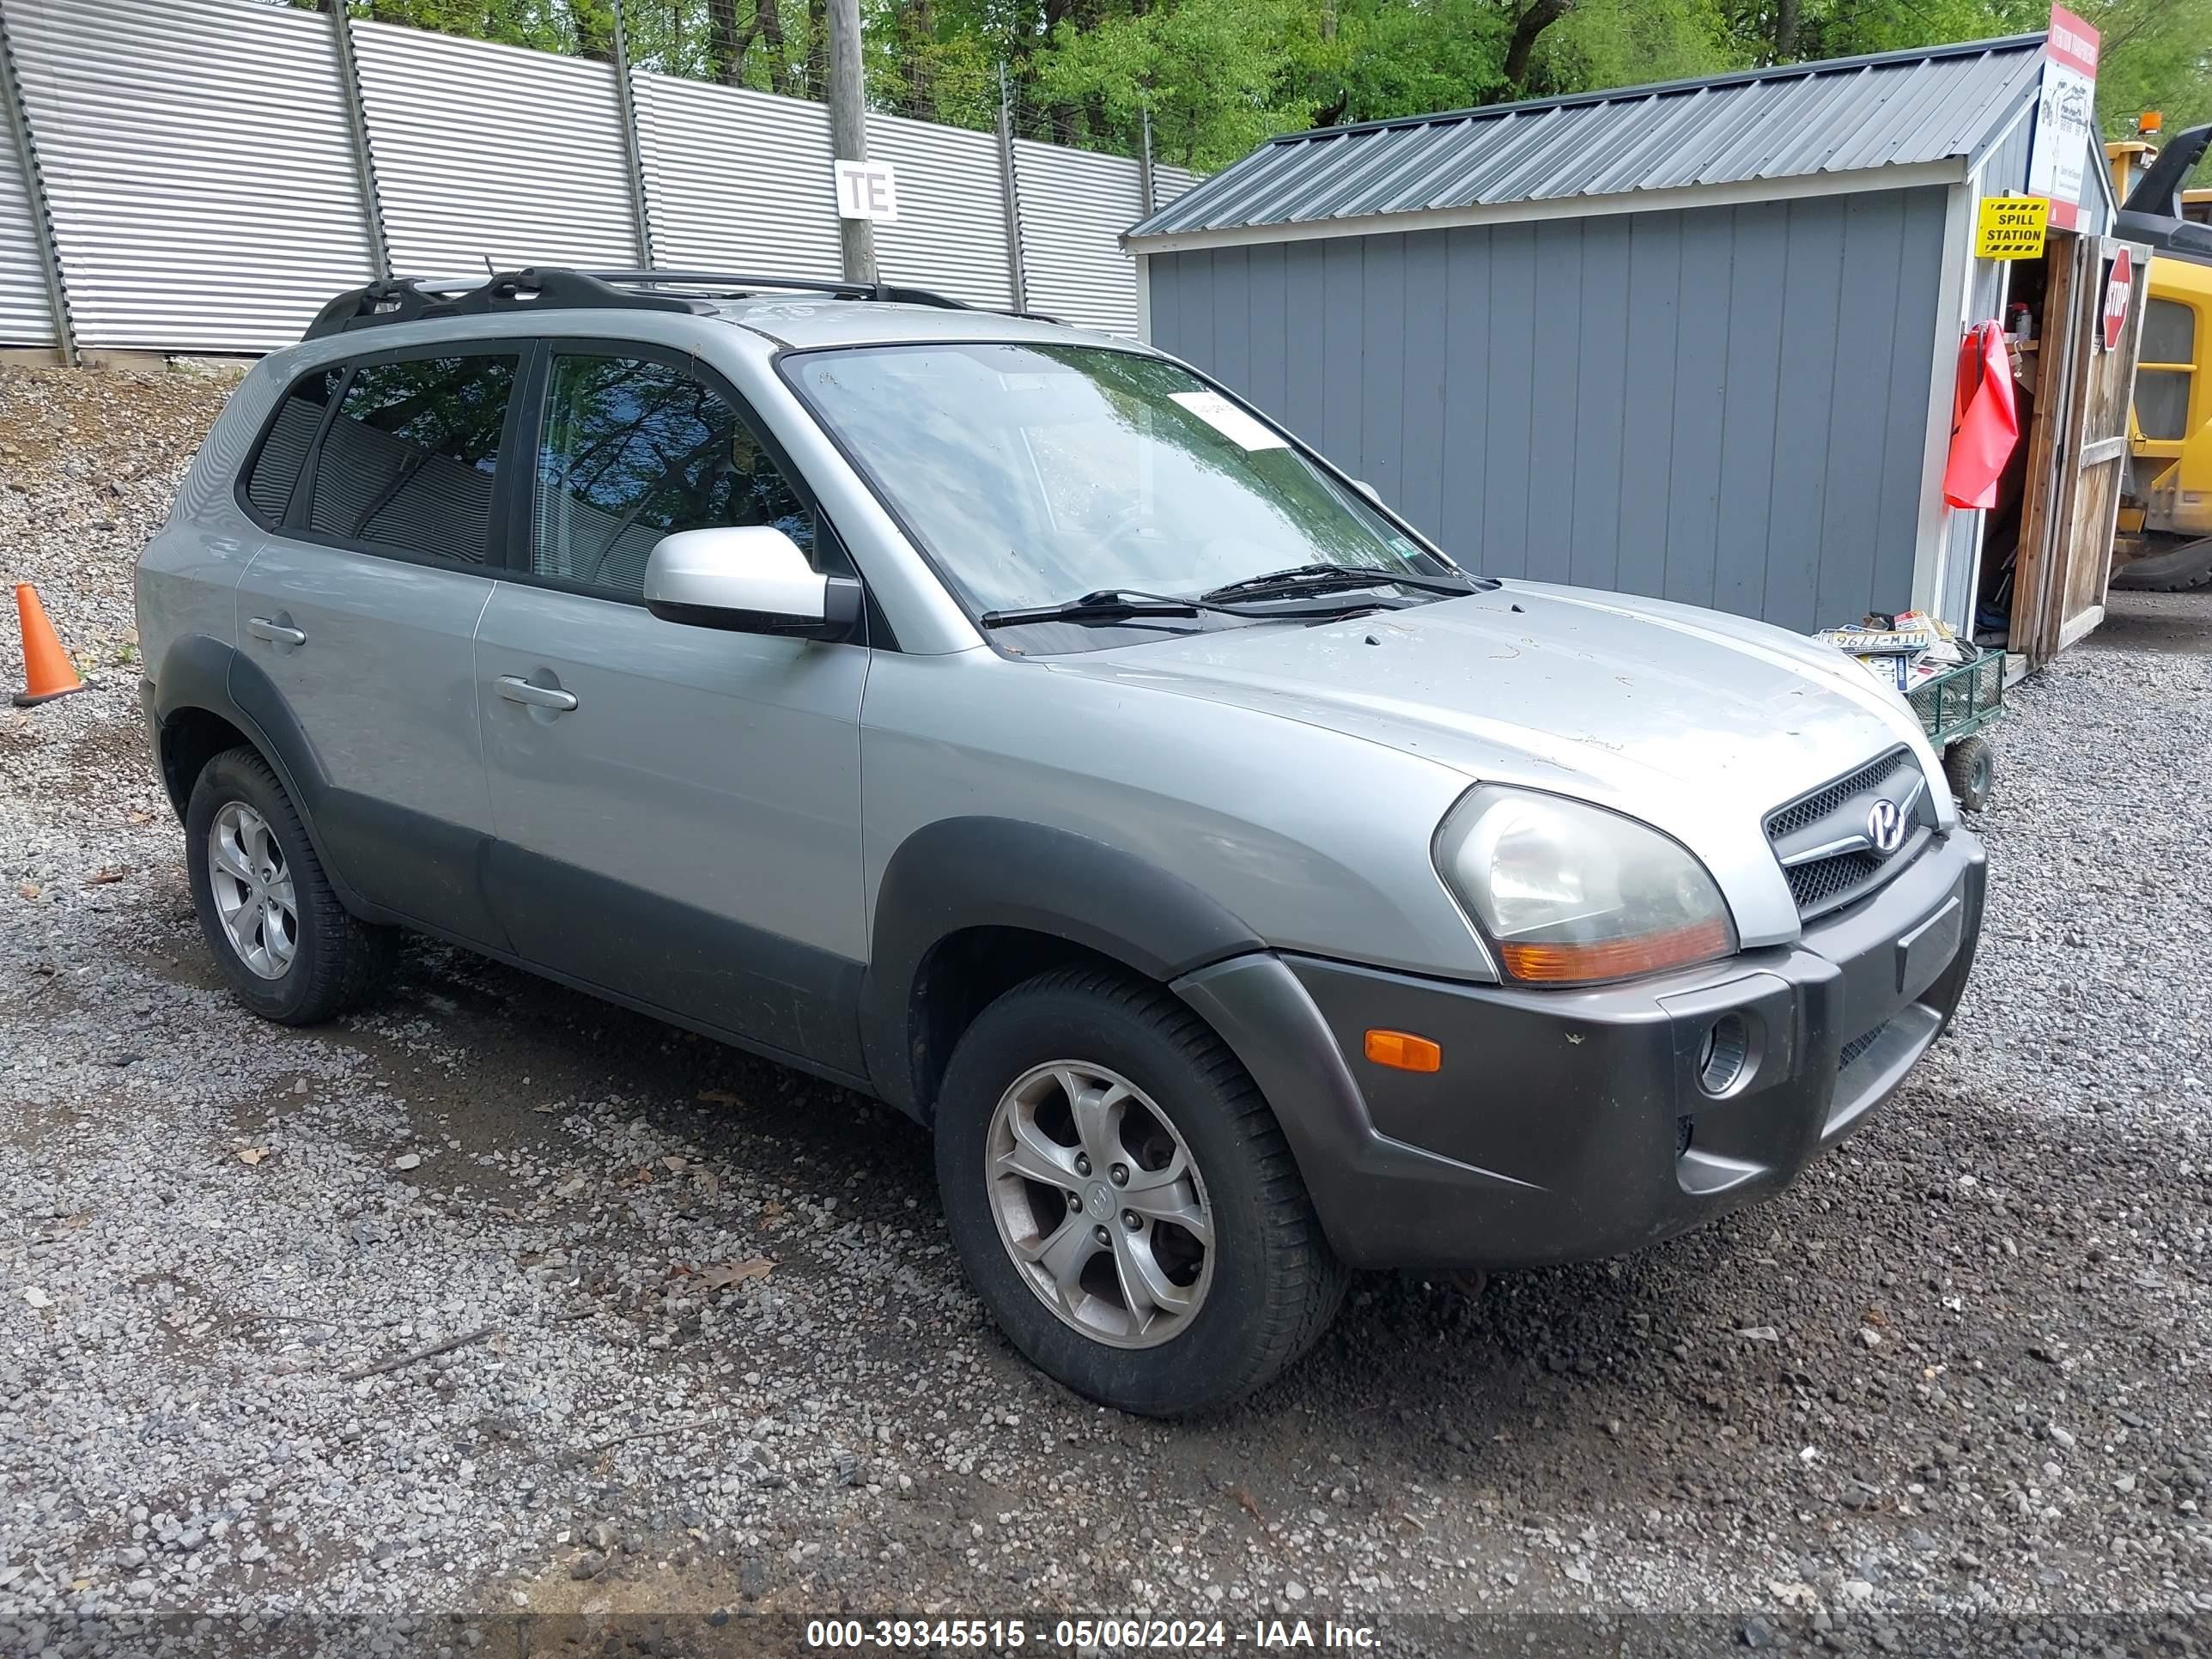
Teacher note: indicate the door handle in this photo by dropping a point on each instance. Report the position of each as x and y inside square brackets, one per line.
[516, 689]
[275, 633]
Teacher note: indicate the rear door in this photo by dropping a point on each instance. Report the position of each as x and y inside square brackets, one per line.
[676, 808]
[360, 609]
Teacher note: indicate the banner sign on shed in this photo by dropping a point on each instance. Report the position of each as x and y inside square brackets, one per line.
[2010, 226]
[2065, 116]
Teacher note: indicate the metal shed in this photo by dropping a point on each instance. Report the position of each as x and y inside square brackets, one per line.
[1696, 340]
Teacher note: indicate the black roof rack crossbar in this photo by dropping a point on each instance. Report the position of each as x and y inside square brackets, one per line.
[413, 299]
[396, 301]
[731, 282]
[754, 282]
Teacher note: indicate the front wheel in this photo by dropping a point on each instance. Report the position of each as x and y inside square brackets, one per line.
[1123, 1198]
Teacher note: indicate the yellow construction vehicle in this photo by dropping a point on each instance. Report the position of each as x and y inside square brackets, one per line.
[2164, 543]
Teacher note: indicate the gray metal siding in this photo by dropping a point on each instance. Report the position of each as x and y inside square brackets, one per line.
[1074, 206]
[490, 153]
[2006, 165]
[206, 195]
[951, 231]
[198, 165]
[737, 180]
[26, 318]
[1170, 182]
[1725, 405]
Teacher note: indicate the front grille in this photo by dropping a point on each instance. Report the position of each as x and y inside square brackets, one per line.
[1815, 885]
[1826, 800]
[1837, 812]
[1859, 1045]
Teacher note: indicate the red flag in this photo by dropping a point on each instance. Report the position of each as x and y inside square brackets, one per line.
[1985, 423]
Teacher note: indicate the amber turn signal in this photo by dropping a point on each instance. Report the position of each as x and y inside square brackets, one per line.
[1618, 958]
[1403, 1051]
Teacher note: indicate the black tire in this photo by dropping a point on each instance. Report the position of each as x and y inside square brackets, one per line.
[2179, 569]
[1275, 1283]
[339, 961]
[1971, 764]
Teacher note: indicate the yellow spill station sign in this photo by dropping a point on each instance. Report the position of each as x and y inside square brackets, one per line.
[2011, 226]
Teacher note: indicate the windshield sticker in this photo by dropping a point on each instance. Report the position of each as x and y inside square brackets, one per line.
[1230, 421]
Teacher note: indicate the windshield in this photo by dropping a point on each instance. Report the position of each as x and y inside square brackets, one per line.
[1036, 474]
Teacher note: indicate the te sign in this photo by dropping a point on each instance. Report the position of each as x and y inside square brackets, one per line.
[2117, 289]
[867, 189]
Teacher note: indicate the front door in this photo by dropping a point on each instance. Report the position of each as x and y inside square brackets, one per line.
[676, 808]
[361, 607]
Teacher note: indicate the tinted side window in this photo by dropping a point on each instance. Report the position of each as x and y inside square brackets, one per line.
[634, 449]
[276, 468]
[2169, 333]
[408, 463]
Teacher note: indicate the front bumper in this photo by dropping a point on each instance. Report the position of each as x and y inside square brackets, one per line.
[1570, 1125]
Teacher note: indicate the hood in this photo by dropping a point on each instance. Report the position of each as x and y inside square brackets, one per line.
[1697, 722]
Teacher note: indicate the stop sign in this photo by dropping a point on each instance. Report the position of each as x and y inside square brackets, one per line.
[2116, 299]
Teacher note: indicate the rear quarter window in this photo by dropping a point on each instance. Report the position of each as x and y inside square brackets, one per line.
[272, 471]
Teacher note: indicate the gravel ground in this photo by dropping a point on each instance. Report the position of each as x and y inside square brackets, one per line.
[705, 1347]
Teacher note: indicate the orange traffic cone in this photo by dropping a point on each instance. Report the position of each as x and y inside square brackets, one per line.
[46, 671]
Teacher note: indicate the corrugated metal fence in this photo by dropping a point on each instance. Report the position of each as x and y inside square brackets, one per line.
[209, 171]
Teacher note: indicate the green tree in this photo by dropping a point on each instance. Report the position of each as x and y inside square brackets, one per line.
[2156, 54]
[1220, 76]
[1212, 73]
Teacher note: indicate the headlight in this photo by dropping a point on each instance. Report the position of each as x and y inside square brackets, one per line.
[1572, 894]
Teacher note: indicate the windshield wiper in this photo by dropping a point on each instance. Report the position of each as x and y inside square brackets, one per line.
[1114, 605]
[1107, 604]
[1328, 577]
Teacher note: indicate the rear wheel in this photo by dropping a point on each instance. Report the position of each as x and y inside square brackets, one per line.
[1123, 1199]
[291, 952]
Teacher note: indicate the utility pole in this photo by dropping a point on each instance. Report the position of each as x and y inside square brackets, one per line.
[1010, 187]
[848, 130]
[1146, 191]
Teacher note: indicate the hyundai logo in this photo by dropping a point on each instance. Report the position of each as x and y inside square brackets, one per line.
[1884, 827]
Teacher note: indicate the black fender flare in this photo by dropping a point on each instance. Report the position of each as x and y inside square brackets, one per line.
[966, 873]
[200, 672]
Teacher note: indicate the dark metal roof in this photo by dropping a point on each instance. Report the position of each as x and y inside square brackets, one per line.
[1845, 115]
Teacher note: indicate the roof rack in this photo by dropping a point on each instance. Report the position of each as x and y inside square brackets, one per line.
[537, 287]
[729, 283]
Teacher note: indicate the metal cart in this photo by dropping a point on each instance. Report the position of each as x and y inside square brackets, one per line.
[1953, 707]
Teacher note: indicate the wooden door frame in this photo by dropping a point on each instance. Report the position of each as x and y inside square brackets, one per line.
[2054, 546]
[2061, 389]
[2093, 544]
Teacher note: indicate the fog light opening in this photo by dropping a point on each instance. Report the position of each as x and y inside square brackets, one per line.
[1686, 1130]
[1721, 1061]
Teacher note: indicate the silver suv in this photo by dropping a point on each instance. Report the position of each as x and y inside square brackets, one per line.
[1006, 721]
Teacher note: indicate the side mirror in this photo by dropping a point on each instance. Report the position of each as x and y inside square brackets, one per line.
[749, 580]
[1368, 490]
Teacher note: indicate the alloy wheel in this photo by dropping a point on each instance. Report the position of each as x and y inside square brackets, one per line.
[1100, 1204]
[253, 890]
